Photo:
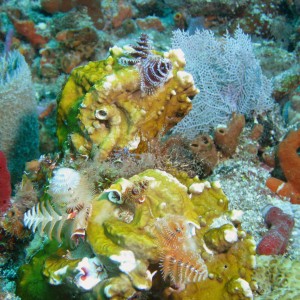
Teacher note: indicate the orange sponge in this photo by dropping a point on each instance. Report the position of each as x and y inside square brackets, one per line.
[289, 160]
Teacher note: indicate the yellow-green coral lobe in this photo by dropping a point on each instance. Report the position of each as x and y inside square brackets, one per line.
[221, 239]
[230, 260]
[139, 227]
[132, 118]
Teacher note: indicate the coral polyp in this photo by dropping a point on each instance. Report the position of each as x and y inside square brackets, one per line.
[63, 181]
[179, 261]
[44, 218]
[173, 230]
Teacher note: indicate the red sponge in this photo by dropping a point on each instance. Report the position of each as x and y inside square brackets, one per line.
[276, 239]
[5, 188]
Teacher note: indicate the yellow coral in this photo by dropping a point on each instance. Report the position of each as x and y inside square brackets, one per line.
[158, 233]
[102, 105]
[175, 209]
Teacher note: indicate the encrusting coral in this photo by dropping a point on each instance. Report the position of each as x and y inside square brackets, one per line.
[154, 221]
[118, 210]
[27, 28]
[161, 231]
[103, 105]
[154, 232]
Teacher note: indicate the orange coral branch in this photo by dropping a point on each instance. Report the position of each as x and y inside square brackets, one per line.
[47, 111]
[27, 29]
[227, 138]
[289, 160]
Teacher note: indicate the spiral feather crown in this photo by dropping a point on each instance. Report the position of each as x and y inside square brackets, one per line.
[154, 70]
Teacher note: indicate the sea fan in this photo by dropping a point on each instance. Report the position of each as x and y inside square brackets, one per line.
[44, 218]
[228, 75]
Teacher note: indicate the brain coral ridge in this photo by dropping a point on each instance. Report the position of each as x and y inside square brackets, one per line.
[102, 105]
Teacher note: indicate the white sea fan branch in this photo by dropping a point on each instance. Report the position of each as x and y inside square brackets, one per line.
[228, 76]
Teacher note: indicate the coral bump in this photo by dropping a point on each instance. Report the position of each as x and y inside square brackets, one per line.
[5, 188]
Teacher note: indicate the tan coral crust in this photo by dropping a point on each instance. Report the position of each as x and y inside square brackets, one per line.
[278, 277]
